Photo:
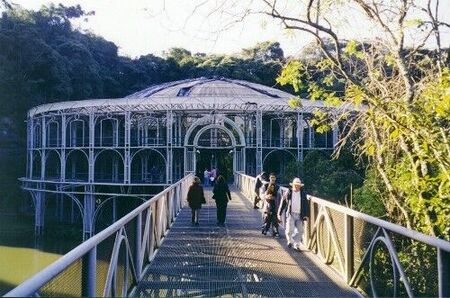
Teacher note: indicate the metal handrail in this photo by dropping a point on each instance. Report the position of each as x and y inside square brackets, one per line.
[168, 201]
[320, 217]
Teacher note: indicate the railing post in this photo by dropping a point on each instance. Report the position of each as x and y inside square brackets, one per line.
[444, 272]
[137, 246]
[89, 264]
[349, 253]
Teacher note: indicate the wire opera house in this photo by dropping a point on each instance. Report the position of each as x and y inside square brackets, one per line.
[82, 155]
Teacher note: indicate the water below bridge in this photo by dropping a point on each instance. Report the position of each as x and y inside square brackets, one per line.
[236, 260]
[22, 254]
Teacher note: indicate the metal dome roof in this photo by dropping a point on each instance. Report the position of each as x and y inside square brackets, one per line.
[203, 93]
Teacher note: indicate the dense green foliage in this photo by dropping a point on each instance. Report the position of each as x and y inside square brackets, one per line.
[326, 177]
[403, 125]
[43, 59]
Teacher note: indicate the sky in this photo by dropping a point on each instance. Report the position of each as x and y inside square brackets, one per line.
[141, 27]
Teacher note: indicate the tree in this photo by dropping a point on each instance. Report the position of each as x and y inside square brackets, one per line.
[264, 51]
[400, 115]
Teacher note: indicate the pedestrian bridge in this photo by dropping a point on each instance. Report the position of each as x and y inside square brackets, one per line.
[154, 251]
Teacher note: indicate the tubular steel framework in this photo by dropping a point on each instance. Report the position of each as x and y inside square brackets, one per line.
[86, 152]
[125, 248]
[362, 248]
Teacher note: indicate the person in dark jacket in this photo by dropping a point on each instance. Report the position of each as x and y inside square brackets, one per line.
[297, 209]
[195, 198]
[221, 194]
[271, 197]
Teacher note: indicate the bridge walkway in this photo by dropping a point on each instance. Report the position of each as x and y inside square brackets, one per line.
[235, 260]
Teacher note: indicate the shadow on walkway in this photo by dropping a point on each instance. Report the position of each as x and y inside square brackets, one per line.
[235, 260]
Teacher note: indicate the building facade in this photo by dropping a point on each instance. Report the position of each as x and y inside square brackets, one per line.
[94, 151]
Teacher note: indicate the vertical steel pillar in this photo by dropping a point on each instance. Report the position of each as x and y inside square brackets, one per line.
[349, 250]
[299, 136]
[335, 135]
[137, 246]
[180, 140]
[88, 212]
[91, 146]
[44, 145]
[30, 146]
[127, 159]
[88, 274]
[444, 272]
[259, 164]
[39, 204]
[169, 149]
[63, 148]
[114, 209]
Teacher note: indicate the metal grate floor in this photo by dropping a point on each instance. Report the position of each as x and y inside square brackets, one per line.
[234, 261]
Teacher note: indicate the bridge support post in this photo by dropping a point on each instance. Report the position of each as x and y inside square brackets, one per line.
[137, 248]
[89, 265]
[444, 273]
[39, 205]
[349, 253]
[88, 212]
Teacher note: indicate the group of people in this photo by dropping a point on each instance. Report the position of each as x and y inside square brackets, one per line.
[294, 202]
[209, 177]
[221, 194]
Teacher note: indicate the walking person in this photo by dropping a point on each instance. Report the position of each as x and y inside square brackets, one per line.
[272, 198]
[261, 180]
[297, 209]
[206, 175]
[195, 198]
[221, 194]
[213, 176]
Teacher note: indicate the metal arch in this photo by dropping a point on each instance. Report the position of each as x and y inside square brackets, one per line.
[109, 289]
[97, 210]
[74, 118]
[218, 126]
[78, 203]
[37, 151]
[52, 120]
[107, 149]
[382, 236]
[142, 149]
[77, 150]
[205, 119]
[49, 152]
[280, 149]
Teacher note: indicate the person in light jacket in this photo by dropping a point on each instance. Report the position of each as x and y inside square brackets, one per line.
[297, 209]
[261, 180]
[195, 198]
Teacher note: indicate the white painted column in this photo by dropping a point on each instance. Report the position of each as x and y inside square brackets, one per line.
[63, 148]
[44, 145]
[30, 146]
[259, 164]
[91, 146]
[127, 159]
[169, 150]
[335, 134]
[88, 212]
[300, 128]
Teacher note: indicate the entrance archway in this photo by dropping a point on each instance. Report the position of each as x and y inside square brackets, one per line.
[215, 146]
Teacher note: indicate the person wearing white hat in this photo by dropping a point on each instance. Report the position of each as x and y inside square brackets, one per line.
[297, 209]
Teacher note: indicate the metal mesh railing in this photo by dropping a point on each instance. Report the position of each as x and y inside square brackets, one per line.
[65, 284]
[111, 263]
[380, 258]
